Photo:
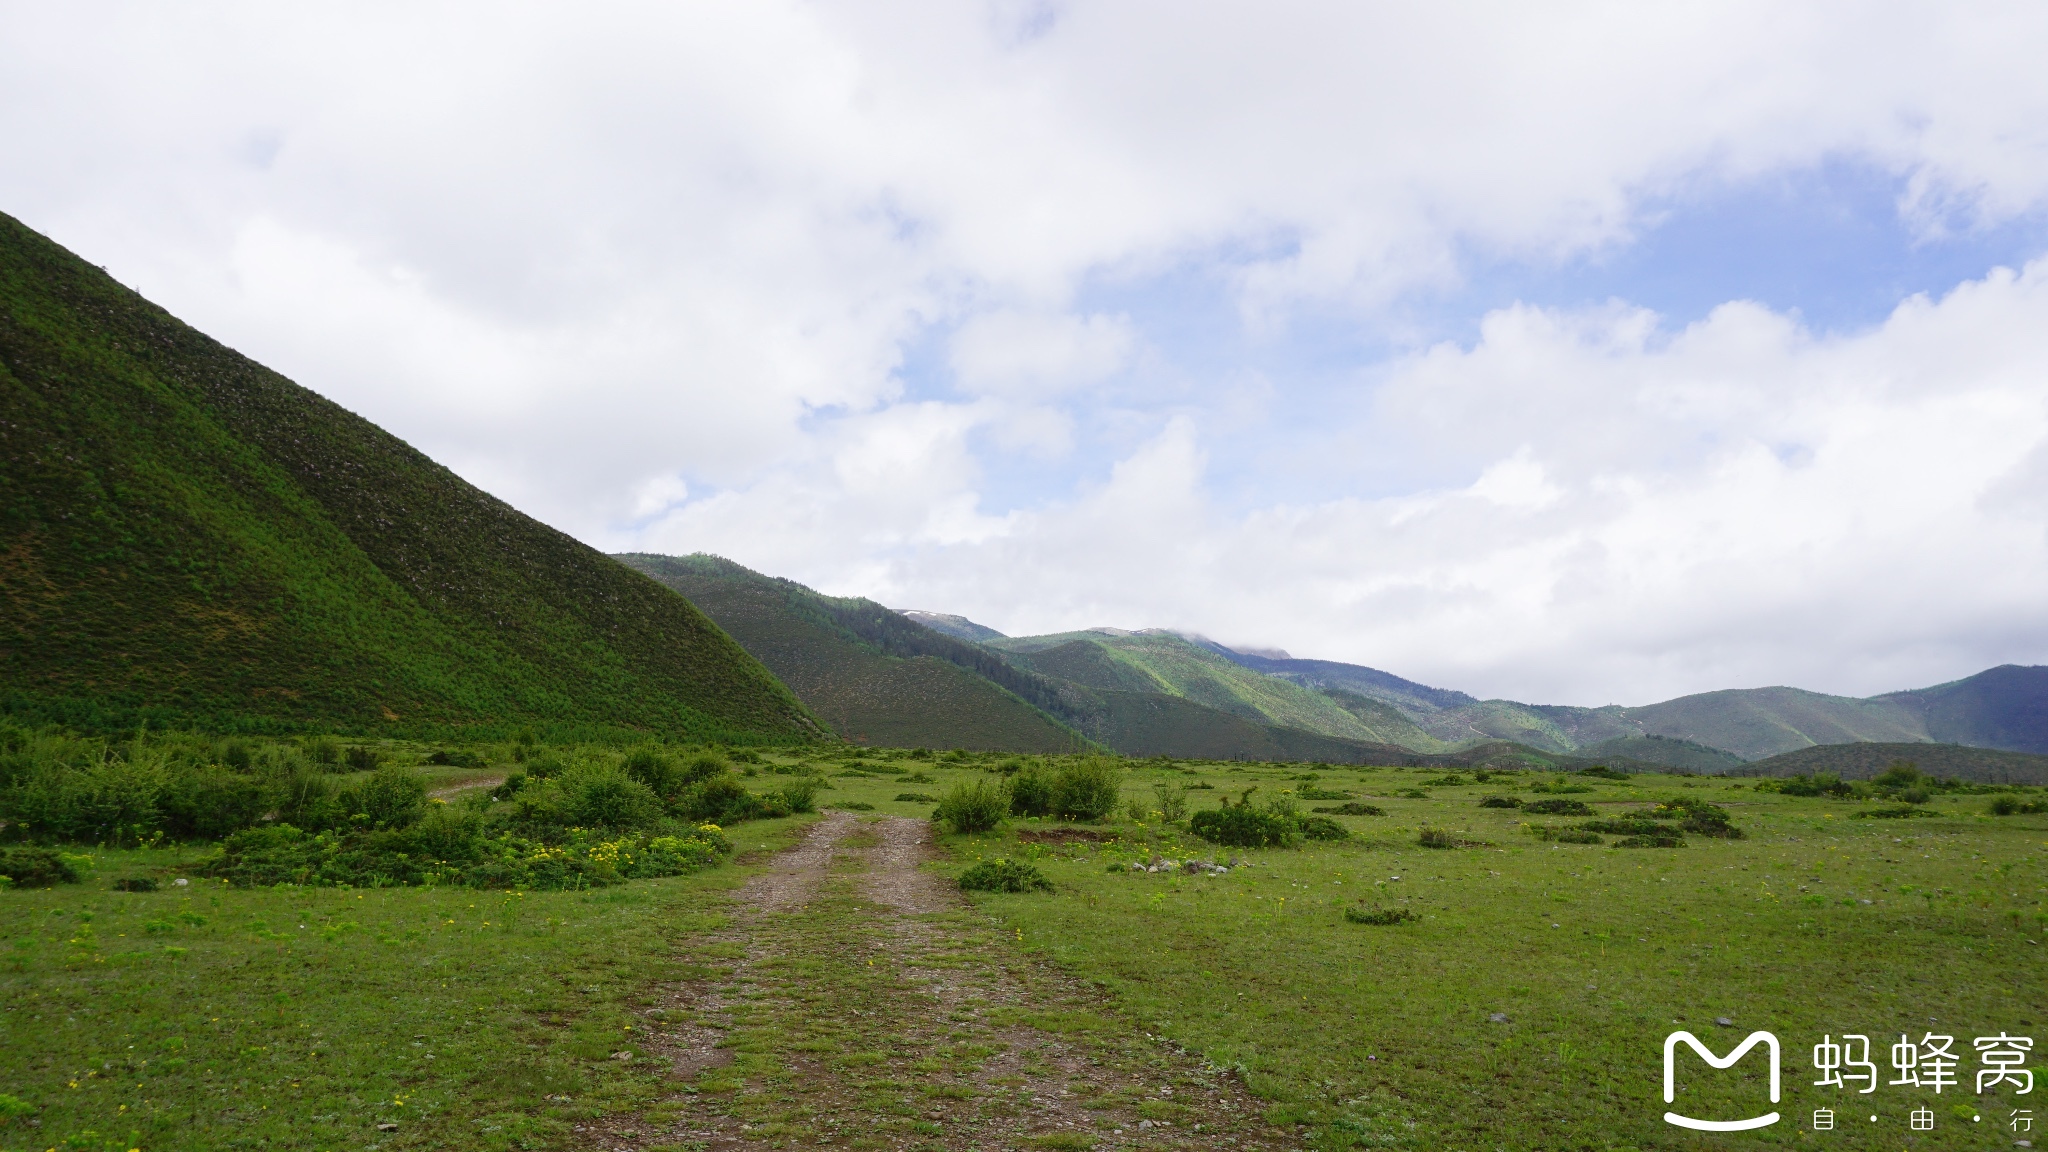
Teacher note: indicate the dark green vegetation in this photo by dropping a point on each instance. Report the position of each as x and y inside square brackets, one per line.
[876, 677]
[305, 812]
[1864, 761]
[187, 537]
[1004, 876]
[1666, 752]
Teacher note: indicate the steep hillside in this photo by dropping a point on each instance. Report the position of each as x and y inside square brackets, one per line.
[873, 675]
[187, 537]
[1757, 722]
[1170, 664]
[2002, 707]
[1862, 761]
[958, 627]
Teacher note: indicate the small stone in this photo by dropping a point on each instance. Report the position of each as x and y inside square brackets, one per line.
[1724, 1022]
[181, 882]
[622, 1055]
[387, 1126]
[1498, 1018]
[1142, 1124]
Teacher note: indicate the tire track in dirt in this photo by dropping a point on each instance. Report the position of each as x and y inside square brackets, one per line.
[867, 1005]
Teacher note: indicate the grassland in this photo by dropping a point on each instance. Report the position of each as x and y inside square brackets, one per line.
[189, 538]
[1523, 1008]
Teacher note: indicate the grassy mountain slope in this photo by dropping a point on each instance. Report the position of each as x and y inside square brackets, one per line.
[188, 537]
[2002, 707]
[1757, 722]
[1666, 751]
[1407, 695]
[1863, 761]
[870, 673]
[1175, 666]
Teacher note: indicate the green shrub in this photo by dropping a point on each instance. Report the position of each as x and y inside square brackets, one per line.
[1565, 835]
[1558, 808]
[1031, 791]
[361, 758]
[135, 884]
[1821, 784]
[282, 854]
[324, 751]
[1173, 801]
[1354, 809]
[659, 773]
[1629, 826]
[916, 798]
[1500, 802]
[1087, 789]
[1900, 813]
[1650, 842]
[801, 794]
[456, 758]
[1381, 916]
[976, 805]
[2007, 806]
[1699, 817]
[1004, 876]
[857, 806]
[1314, 793]
[1436, 838]
[1321, 828]
[1240, 825]
[391, 798]
[208, 804]
[30, 867]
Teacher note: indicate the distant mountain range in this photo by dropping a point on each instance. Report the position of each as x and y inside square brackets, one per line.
[188, 538]
[1159, 692]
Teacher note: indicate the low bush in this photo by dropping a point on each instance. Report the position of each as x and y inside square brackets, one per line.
[1629, 826]
[1650, 842]
[135, 884]
[282, 854]
[1564, 835]
[360, 758]
[1604, 772]
[1321, 828]
[1414, 794]
[1699, 818]
[800, 795]
[1436, 838]
[1900, 813]
[1381, 916]
[1452, 780]
[1558, 807]
[1500, 802]
[1173, 801]
[456, 758]
[857, 806]
[2007, 806]
[1822, 784]
[1240, 825]
[1353, 809]
[30, 867]
[1086, 789]
[1313, 793]
[976, 805]
[1004, 876]
[916, 798]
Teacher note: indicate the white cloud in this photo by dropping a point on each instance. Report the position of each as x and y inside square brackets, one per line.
[671, 277]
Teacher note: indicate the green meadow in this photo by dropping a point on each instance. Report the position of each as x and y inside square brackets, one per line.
[1506, 991]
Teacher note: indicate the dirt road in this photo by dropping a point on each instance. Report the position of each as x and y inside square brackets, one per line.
[859, 1002]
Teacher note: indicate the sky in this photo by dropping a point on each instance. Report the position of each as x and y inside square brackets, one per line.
[1571, 353]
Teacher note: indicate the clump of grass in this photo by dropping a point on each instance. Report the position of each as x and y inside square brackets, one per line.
[1500, 802]
[1004, 876]
[2007, 806]
[1902, 812]
[857, 806]
[135, 884]
[1629, 826]
[1415, 794]
[1321, 828]
[1313, 793]
[1381, 916]
[916, 798]
[1437, 838]
[1353, 809]
[973, 805]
